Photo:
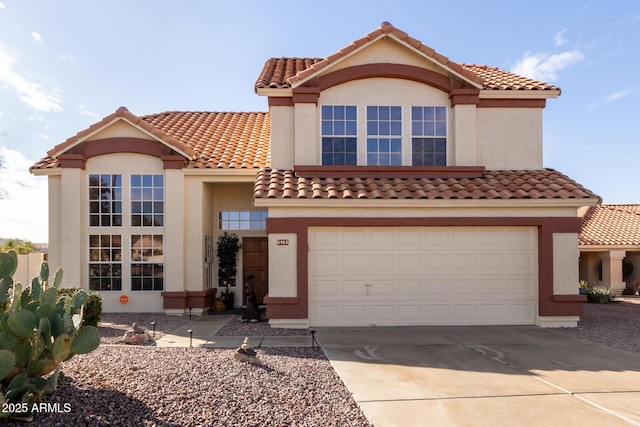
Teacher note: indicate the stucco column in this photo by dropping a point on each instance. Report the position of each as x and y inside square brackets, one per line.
[612, 270]
[305, 134]
[464, 134]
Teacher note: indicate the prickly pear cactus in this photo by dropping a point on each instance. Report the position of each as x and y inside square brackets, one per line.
[38, 330]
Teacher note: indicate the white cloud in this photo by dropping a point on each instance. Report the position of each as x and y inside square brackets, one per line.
[37, 37]
[24, 202]
[1, 5]
[29, 92]
[66, 56]
[82, 109]
[545, 66]
[621, 94]
[559, 39]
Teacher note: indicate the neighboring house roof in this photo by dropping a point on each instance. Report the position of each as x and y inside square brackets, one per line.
[611, 225]
[490, 184]
[207, 139]
[282, 73]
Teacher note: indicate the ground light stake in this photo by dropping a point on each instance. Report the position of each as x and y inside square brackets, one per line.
[153, 323]
[190, 337]
[313, 338]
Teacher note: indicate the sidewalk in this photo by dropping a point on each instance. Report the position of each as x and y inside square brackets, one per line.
[204, 335]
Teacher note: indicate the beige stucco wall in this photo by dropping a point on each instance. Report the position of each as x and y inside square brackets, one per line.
[510, 138]
[386, 50]
[282, 140]
[120, 128]
[283, 272]
[565, 263]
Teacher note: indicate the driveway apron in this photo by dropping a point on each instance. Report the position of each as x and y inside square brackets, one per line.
[484, 376]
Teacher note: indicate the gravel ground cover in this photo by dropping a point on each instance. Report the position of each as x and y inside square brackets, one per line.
[119, 385]
[616, 324]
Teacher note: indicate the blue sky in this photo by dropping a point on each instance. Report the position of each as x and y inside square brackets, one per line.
[67, 64]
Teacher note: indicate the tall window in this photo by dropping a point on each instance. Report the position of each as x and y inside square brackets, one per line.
[384, 135]
[105, 262]
[429, 136]
[339, 130]
[147, 200]
[147, 262]
[105, 200]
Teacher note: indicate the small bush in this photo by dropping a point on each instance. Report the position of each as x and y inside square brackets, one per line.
[599, 294]
[92, 309]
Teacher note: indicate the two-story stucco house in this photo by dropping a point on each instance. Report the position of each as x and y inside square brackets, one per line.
[386, 185]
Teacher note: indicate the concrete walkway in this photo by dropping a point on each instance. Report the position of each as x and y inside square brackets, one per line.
[204, 335]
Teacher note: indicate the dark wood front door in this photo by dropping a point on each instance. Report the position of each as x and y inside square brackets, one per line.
[255, 261]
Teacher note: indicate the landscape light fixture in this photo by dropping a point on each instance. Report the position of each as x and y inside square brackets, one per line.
[153, 323]
[190, 337]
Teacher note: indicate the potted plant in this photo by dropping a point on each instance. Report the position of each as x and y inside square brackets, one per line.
[227, 251]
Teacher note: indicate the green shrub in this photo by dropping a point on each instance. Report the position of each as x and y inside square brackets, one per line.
[599, 294]
[39, 329]
[92, 309]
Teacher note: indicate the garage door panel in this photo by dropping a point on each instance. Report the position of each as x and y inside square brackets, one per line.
[436, 263]
[409, 288]
[324, 262]
[464, 262]
[384, 262]
[410, 313]
[436, 287]
[324, 288]
[435, 238]
[354, 313]
[423, 276]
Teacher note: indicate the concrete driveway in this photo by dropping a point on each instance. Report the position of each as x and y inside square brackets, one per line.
[484, 376]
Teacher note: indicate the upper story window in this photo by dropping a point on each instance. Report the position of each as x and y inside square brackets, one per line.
[384, 135]
[339, 130]
[429, 136]
[147, 200]
[105, 200]
[242, 220]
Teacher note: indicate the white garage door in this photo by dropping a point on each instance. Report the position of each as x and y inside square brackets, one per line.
[361, 276]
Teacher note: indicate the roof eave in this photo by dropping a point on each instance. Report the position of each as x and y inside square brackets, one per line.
[433, 203]
[519, 94]
[275, 92]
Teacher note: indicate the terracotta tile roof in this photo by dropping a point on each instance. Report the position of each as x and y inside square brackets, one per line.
[497, 79]
[279, 73]
[493, 185]
[611, 225]
[211, 140]
[220, 140]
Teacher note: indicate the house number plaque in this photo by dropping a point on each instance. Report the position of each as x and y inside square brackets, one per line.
[282, 242]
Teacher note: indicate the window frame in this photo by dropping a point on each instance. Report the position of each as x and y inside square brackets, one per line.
[429, 135]
[339, 135]
[384, 135]
[105, 200]
[99, 263]
[253, 220]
